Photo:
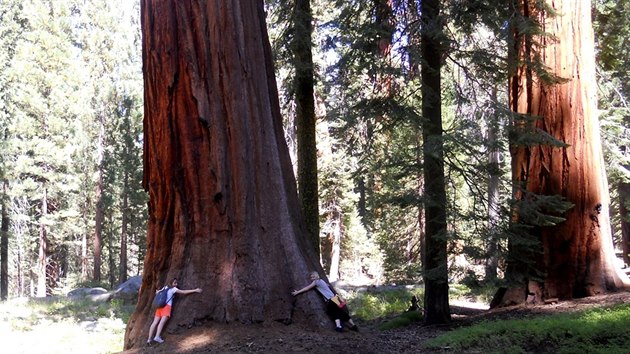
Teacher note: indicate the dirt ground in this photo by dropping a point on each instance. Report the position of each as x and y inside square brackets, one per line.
[295, 338]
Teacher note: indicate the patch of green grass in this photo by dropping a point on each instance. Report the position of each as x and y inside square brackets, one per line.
[372, 305]
[602, 330]
[403, 320]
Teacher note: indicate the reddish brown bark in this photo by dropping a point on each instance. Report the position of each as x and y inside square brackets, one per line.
[578, 253]
[223, 209]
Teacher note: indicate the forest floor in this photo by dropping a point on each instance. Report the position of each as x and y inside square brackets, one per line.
[279, 338]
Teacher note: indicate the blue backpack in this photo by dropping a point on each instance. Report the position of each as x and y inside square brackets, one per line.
[161, 299]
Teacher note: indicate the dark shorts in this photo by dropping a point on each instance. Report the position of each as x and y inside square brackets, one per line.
[335, 313]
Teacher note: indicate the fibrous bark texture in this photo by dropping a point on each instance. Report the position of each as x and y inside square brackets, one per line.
[223, 209]
[577, 257]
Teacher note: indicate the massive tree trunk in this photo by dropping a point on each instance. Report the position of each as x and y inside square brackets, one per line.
[306, 119]
[223, 208]
[577, 257]
[436, 304]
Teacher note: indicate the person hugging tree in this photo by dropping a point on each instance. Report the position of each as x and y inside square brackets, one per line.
[162, 314]
[336, 308]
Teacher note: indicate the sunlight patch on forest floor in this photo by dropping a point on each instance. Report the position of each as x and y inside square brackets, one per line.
[29, 329]
[470, 305]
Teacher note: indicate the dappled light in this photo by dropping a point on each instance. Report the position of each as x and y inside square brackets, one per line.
[455, 175]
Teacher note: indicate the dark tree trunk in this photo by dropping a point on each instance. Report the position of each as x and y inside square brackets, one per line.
[223, 207]
[124, 230]
[577, 255]
[42, 256]
[99, 213]
[4, 244]
[624, 205]
[305, 119]
[436, 304]
[111, 257]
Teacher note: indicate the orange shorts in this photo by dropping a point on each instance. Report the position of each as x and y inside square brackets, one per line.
[163, 311]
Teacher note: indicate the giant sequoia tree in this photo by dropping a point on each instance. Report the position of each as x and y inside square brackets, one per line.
[555, 85]
[223, 208]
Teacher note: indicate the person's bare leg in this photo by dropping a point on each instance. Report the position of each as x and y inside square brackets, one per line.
[160, 327]
[155, 322]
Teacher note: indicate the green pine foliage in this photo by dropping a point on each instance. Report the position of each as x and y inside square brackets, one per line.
[611, 39]
[63, 65]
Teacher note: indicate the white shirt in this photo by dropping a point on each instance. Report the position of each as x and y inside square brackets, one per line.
[323, 289]
[170, 295]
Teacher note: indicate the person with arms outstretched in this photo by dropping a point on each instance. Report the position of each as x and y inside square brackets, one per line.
[336, 308]
[162, 314]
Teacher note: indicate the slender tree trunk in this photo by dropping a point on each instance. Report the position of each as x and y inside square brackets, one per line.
[111, 257]
[223, 207]
[124, 230]
[4, 243]
[306, 119]
[42, 257]
[492, 258]
[436, 304]
[577, 257]
[624, 205]
[98, 196]
[335, 252]
[84, 257]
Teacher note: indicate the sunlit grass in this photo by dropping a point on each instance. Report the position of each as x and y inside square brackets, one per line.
[603, 330]
[372, 305]
[62, 326]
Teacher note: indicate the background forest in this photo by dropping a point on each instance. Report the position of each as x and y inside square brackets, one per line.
[71, 103]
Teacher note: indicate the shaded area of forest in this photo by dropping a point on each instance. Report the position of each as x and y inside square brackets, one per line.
[280, 338]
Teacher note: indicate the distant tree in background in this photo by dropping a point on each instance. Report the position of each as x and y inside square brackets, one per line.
[557, 162]
[10, 32]
[614, 90]
[304, 82]
[53, 57]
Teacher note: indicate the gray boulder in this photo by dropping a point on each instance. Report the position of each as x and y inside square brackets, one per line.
[128, 291]
[93, 294]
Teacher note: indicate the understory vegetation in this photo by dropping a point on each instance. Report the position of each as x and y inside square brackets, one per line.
[602, 330]
[60, 325]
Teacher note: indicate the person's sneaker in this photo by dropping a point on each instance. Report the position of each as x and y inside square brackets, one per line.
[338, 329]
[354, 328]
[158, 339]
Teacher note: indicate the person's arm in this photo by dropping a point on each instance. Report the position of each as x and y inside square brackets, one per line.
[306, 288]
[186, 292]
